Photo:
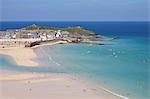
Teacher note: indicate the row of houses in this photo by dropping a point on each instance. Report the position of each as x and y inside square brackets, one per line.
[34, 34]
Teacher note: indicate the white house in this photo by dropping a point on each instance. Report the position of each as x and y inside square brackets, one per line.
[14, 36]
[58, 34]
[49, 37]
[65, 33]
[43, 38]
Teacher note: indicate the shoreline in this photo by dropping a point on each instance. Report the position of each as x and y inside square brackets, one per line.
[24, 55]
[21, 56]
[101, 88]
[49, 44]
[25, 59]
[61, 86]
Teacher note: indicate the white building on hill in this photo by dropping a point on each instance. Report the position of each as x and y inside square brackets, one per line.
[58, 34]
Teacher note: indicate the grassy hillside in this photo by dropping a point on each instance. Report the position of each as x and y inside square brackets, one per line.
[78, 29]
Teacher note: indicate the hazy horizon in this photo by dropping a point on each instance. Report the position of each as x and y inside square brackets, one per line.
[74, 10]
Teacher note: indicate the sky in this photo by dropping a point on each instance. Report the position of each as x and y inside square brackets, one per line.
[74, 10]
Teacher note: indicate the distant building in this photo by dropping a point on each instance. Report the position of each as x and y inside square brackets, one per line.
[43, 37]
[58, 34]
[14, 36]
[50, 37]
[65, 33]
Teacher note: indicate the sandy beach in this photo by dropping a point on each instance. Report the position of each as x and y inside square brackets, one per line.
[49, 86]
[22, 56]
[31, 85]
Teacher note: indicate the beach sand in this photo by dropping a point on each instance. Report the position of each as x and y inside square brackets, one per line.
[22, 56]
[25, 85]
[17, 85]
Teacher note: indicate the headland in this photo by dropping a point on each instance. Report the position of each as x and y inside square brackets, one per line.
[19, 43]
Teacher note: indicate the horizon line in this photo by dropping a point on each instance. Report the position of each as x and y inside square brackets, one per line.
[71, 21]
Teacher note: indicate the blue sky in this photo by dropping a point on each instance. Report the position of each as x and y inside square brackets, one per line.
[74, 10]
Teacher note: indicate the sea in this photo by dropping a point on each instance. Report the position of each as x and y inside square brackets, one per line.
[121, 66]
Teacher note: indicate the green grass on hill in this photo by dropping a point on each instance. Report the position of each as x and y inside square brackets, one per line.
[79, 30]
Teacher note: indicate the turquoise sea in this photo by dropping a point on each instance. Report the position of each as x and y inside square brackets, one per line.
[121, 66]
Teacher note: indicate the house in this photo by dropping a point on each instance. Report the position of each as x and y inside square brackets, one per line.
[43, 37]
[50, 37]
[65, 33]
[14, 36]
[58, 34]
